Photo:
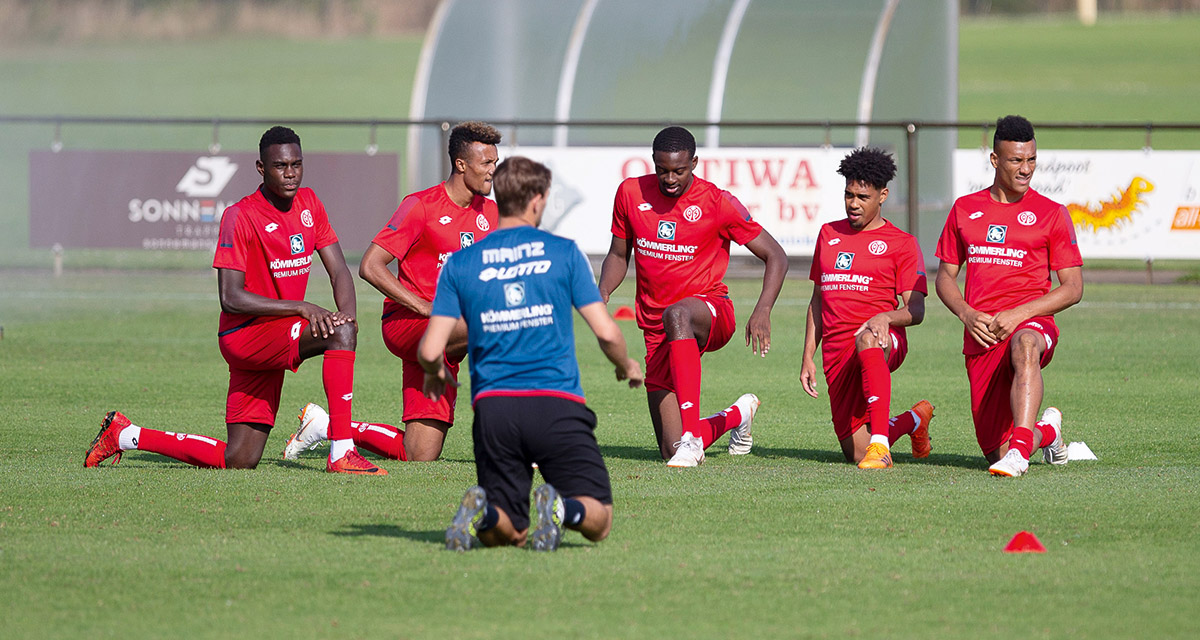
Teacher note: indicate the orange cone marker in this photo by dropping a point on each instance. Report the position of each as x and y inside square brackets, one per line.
[624, 312]
[1024, 542]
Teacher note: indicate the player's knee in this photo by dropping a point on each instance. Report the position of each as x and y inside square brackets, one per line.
[241, 459]
[676, 318]
[1026, 346]
[344, 337]
[866, 340]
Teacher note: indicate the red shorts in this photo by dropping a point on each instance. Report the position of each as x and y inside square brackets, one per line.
[402, 333]
[843, 374]
[658, 362]
[991, 375]
[258, 353]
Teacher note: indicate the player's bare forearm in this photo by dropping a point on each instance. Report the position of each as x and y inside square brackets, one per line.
[1068, 292]
[976, 322]
[374, 269]
[766, 248]
[341, 281]
[231, 290]
[612, 342]
[614, 267]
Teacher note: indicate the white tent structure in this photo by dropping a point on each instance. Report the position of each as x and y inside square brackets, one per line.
[704, 62]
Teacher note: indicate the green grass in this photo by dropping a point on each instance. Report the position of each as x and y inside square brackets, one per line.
[1126, 68]
[788, 541]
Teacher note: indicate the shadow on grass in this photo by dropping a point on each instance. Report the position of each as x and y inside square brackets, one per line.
[832, 457]
[437, 537]
[649, 454]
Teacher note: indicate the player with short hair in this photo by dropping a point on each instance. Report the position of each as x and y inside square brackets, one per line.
[426, 228]
[263, 259]
[515, 290]
[678, 226]
[861, 267]
[1010, 237]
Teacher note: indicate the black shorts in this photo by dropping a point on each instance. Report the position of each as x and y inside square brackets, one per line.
[513, 432]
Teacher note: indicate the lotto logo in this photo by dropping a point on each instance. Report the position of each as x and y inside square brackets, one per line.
[666, 230]
[872, 399]
[297, 243]
[645, 206]
[997, 232]
[445, 220]
[296, 330]
[835, 241]
[271, 227]
[975, 216]
[514, 294]
[348, 397]
[465, 239]
[686, 405]
[844, 261]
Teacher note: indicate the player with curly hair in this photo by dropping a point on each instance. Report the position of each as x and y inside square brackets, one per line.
[868, 285]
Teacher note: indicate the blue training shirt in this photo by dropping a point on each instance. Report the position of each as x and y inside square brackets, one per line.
[516, 289]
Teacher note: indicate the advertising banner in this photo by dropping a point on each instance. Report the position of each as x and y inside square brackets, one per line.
[790, 192]
[174, 200]
[1125, 204]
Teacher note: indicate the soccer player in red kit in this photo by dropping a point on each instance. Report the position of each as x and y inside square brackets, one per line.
[263, 258]
[678, 227]
[427, 227]
[861, 267]
[1010, 237]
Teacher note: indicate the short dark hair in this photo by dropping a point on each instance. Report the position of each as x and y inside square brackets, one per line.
[276, 135]
[517, 180]
[673, 139]
[868, 165]
[1013, 129]
[466, 133]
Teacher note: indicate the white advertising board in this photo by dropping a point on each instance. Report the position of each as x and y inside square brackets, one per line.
[1125, 204]
[790, 192]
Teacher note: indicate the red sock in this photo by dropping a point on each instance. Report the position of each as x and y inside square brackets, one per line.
[877, 388]
[337, 372]
[684, 358]
[717, 425]
[199, 451]
[900, 426]
[380, 439]
[1048, 434]
[1022, 440]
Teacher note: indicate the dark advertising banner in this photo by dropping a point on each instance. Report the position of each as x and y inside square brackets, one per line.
[174, 200]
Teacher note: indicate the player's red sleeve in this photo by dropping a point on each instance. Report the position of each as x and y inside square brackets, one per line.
[737, 224]
[814, 272]
[1064, 248]
[910, 270]
[403, 229]
[620, 217]
[231, 252]
[950, 246]
[325, 235]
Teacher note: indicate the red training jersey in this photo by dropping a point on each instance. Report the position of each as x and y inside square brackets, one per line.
[680, 245]
[426, 228]
[273, 248]
[861, 274]
[1010, 250]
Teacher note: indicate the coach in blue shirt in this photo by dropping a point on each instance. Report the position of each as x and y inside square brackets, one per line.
[516, 289]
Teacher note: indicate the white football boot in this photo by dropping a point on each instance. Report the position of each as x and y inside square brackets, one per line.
[1056, 453]
[314, 430]
[740, 439]
[690, 451]
[1013, 464]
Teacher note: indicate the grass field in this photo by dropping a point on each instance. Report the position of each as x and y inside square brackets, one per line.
[785, 542]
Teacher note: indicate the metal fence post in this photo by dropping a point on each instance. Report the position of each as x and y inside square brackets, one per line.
[913, 200]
